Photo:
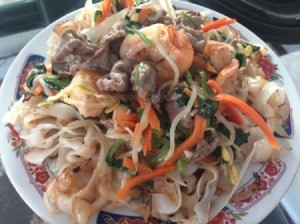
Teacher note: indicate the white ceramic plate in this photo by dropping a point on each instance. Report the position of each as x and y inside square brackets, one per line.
[30, 181]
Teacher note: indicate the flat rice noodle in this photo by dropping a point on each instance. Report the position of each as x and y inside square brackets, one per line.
[176, 177]
[163, 204]
[89, 192]
[221, 201]
[209, 179]
[81, 210]
[37, 157]
[87, 150]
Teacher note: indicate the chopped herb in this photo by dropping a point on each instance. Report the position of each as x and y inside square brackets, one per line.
[56, 84]
[241, 137]
[183, 99]
[207, 108]
[241, 57]
[97, 14]
[181, 164]
[133, 28]
[207, 91]
[190, 19]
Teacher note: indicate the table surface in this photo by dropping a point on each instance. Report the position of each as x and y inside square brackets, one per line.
[14, 210]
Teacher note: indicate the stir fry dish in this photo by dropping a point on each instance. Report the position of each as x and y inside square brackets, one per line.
[152, 108]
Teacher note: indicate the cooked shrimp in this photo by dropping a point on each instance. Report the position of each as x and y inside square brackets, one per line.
[219, 54]
[89, 101]
[227, 78]
[175, 44]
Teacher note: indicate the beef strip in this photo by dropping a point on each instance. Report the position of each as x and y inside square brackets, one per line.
[160, 95]
[75, 52]
[205, 147]
[172, 110]
[118, 79]
[146, 79]
[192, 31]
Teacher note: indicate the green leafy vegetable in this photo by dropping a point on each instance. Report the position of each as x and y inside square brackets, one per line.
[133, 28]
[97, 14]
[207, 91]
[110, 156]
[181, 164]
[56, 84]
[241, 57]
[161, 142]
[118, 5]
[183, 99]
[241, 137]
[190, 19]
[39, 69]
[223, 36]
[207, 108]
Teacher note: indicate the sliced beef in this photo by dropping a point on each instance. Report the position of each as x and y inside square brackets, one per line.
[118, 79]
[193, 19]
[172, 110]
[146, 75]
[191, 24]
[160, 95]
[205, 147]
[154, 19]
[75, 52]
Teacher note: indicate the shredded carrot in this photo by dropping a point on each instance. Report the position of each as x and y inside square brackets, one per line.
[38, 90]
[152, 117]
[128, 117]
[143, 15]
[106, 9]
[139, 167]
[141, 101]
[142, 178]
[217, 24]
[212, 84]
[199, 62]
[234, 116]
[129, 3]
[48, 69]
[251, 113]
[126, 124]
[125, 120]
[153, 120]
[147, 144]
[135, 138]
[192, 140]
[189, 93]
